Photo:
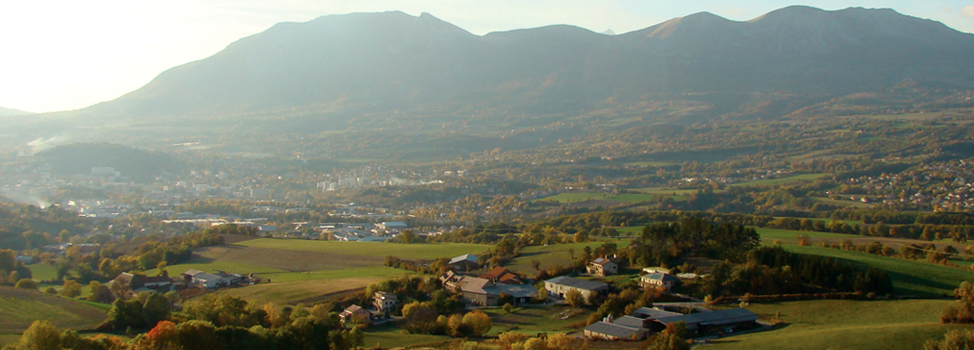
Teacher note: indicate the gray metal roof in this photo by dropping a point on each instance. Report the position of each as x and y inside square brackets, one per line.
[714, 318]
[646, 312]
[468, 257]
[578, 283]
[629, 321]
[515, 290]
[614, 330]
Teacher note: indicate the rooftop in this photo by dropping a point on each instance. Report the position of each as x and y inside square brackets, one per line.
[465, 257]
[614, 330]
[577, 283]
[714, 318]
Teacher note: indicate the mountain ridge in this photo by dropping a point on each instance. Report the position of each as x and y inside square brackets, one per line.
[339, 71]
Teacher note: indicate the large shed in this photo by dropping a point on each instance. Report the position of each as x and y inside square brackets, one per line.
[558, 286]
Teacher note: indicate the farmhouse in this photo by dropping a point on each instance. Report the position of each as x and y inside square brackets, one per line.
[134, 282]
[659, 280]
[464, 262]
[385, 303]
[602, 267]
[354, 314]
[206, 280]
[485, 292]
[558, 286]
[502, 275]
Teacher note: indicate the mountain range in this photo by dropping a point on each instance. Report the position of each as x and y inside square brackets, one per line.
[9, 112]
[341, 71]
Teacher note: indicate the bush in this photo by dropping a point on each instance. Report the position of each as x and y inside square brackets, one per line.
[26, 284]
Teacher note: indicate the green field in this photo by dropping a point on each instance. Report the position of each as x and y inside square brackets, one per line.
[534, 320]
[782, 180]
[20, 307]
[770, 234]
[388, 337]
[42, 272]
[916, 278]
[378, 250]
[575, 197]
[844, 324]
[550, 255]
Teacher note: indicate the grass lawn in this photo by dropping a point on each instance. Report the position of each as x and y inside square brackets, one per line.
[371, 249]
[20, 307]
[295, 292]
[550, 255]
[771, 234]
[782, 180]
[534, 320]
[909, 277]
[387, 336]
[572, 197]
[845, 324]
[632, 231]
[42, 272]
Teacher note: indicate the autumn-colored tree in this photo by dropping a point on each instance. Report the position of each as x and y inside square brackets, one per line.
[574, 298]
[478, 322]
[71, 289]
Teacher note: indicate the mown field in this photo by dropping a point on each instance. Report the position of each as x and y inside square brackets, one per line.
[20, 307]
[302, 271]
[388, 336]
[844, 324]
[916, 278]
[781, 180]
[534, 320]
[551, 255]
[376, 250]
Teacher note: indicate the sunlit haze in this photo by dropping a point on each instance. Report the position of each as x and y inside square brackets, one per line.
[62, 55]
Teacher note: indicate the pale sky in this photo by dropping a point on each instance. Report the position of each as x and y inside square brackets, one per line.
[69, 54]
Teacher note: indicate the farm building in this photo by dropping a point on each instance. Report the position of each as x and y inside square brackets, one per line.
[385, 303]
[206, 280]
[614, 331]
[659, 280]
[558, 286]
[711, 322]
[354, 314]
[485, 292]
[502, 275]
[602, 267]
[465, 262]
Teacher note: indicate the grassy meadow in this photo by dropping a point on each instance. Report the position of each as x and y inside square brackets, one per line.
[302, 271]
[20, 307]
[917, 278]
[844, 324]
[371, 249]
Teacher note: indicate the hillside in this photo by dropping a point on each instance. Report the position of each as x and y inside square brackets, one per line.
[10, 112]
[20, 307]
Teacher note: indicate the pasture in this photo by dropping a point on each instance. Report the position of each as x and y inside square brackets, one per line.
[370, 249]
[550, 255]
[42, 272]
[781, 180]
[844, 324]
[916, 278]
[20, 307]
[536, 319]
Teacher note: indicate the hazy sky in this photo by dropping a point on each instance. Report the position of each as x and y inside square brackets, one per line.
[69, 54]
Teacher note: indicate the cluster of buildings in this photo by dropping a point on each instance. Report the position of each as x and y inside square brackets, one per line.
[192, 278]
[645, 321]
[383, 306]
